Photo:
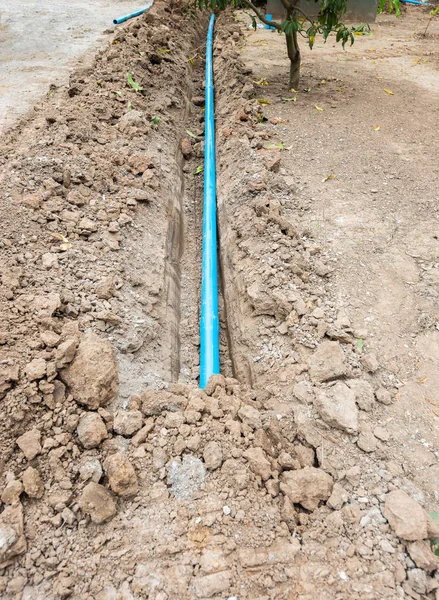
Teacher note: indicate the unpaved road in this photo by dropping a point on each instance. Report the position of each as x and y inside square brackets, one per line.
[41, 42]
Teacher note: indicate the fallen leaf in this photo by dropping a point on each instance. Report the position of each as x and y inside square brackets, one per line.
[189, 132]
[59, 236]
[377, 128]
[388, 92]
[328, 177]
[293, 99]
[318, 107]
[263, 101]
[133, 84]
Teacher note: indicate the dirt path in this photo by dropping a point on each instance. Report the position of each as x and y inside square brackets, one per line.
[41, 42]
[364, 174]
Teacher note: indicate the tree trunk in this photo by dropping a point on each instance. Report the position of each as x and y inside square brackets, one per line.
[294, 56]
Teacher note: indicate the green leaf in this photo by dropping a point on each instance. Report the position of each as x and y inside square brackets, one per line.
[198, 170]
[163, 51]
[293, 99]
[273, 146]
[118, 93]
[263, 101]
[359, 344]
[133, 84]
[155, 120]
[189, 132]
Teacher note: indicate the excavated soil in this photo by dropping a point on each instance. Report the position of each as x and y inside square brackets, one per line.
[308, 468]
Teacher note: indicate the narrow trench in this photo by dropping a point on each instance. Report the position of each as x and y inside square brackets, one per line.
[184, 242]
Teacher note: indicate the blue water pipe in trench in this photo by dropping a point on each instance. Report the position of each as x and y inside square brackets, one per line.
[209, 320]
[136, 13]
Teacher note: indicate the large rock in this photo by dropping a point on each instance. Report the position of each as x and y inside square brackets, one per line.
[93, 375]
[121, 475]
[91, 430]
[327, 362]
[337, 407]
[407, 518]
[98, 502]
[308, 486]
[12, 540]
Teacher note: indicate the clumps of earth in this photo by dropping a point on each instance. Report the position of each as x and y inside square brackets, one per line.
[198, 493]
[278, 485]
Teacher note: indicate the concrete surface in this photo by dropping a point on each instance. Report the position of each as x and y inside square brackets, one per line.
[40, 43]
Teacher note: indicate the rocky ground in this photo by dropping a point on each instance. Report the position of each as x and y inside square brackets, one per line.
[298, 472]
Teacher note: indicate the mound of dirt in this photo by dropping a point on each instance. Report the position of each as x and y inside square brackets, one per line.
[120, 482]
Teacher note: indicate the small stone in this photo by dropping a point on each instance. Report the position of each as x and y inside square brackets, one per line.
[127, 422]
[32, 483]
[186, 148]
[327, 362]
[258, 463]
[305, 454]
[185, 476]
[250, 416]
[423, 556]
[383, 396]
[65, 353]
[367, 441]
[308, 486]
[370, 362]
[213, 456]
[273, 164]
[93, 375]
[12, 491]
[406, 517]
[49, 260]
[417, 579]
[338, 497]
[227, 510]
[198, 100]
[49, 338]
[364, 396]
[106, 288]
[321, 269]
[337, 407]
[98, 502]
[90, 469]
[30, 444]
[121, 475]
[12, 537]
[36, 369]
[142, 435]
[381, 433]
[91, 430]
[386, 546]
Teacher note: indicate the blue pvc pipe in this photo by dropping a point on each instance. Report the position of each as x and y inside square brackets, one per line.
[209, 321]
[414, 2]
[137, 13]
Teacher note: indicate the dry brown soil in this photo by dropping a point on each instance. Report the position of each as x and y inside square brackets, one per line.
[308, 468]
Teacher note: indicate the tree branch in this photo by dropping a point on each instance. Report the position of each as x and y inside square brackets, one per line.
[260, 15]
